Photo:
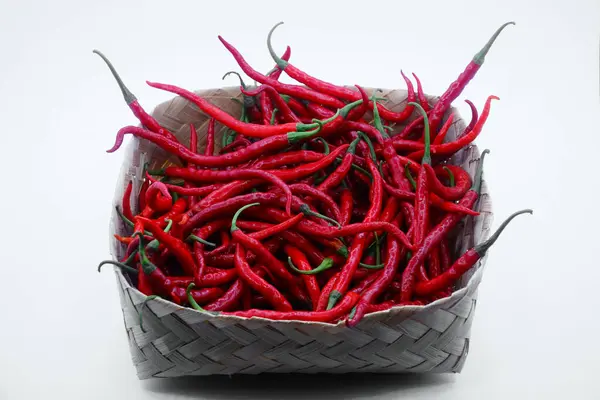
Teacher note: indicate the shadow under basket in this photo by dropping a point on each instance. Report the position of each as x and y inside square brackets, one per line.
[178, 341]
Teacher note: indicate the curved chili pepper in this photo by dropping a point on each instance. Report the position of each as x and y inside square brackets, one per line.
[271, 144]
[463, 263]
[333, 90]
[146, 119]
[156, 278]
[262, 253]
[366, 282]
[296, 256]
[313, 316]
[435, 236]
[341, 171]
[326, 292]
[182, 296]
[238, 143]
[209, 149]
[439, 138]
[422, 99]
[277, 300]
[461, 181]
[277, 229]
[275, 73]
[448, 149]
[230, 299]
[474, 118]
[205, 175]
[346, 205]
[225, 192]
[227, 260]
[292, 90]
[158, 197]
[324, 266]
[309, 169]
[326, 200]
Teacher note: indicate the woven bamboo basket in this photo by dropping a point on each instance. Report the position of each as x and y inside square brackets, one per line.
[177, 341]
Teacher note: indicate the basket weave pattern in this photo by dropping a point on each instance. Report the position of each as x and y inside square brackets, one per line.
[177, 341]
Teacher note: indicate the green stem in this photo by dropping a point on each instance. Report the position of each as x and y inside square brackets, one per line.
[325, 145]
[450, 176]
[280, 62]
[479, 58]
[238, 213]
[153, 245]
[410, 177]
[325, 265]
[304, 209]
[127, 95]
[191, 300]
[242, 83]
[483, 247]
[124, 267]
[377, 121]
[200, 240]
[426, 134]
[367, 140]
[272, 122]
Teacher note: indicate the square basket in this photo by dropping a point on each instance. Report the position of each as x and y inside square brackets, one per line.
[178, 341]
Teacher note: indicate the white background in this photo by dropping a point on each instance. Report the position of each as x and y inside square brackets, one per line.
[61, 329]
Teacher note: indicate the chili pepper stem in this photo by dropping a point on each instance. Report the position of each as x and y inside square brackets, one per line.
[127, 95]
[237, 214]
[333, 299]
[280, 63]
[117, 264]
[479, 58]
[483, 247]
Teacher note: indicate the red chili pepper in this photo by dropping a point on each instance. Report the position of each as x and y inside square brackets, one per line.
[330, 89]
[292, 90]
[277, 300]
[435, 268]
[230, 299]
[308, 169]
[462, 181]
[359, 243]
[439, 138]
[270, 261]
[421, 222]
[464, 263]
[158, 197]
[324, 198]
[209, 149]
[146, 119]
[436, 235]
[227, 260]
[366, 282]
[342, 170]
[277, 229]
[346, 205]
[422, 99]
[456, 88]
[193, 139]
[205, 175]
[126, 202]
[225, 192]
[143, 284]
[157, 280]
[445, 258]
[298, 258]
[448, 149]
[474, 118]
[237, 144]
[182, 296]
[313, 316]
[178, 208]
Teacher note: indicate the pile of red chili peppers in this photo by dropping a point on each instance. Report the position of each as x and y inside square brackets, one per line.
[317, 207]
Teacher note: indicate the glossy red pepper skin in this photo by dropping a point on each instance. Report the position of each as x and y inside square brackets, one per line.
[313, 316]
[346, 205]
[439, 138]
[462, 181]
[201, 296]
[230, 298]
[326, 292]
[209, 148]
[275, 298]
[289, 158]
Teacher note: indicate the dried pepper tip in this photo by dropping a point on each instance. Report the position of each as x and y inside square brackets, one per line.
[325, 265]
[483, 247]
[450, 176]
[426, 135]
[305, 209]
[410, 177]
[127, 95]
[479, 172]
[191, 300]
[123, 267]
[237, 215]
[200, 240]
[480, 56]
[147, 299]
[242, 83]
[278, 60]
[334, 297]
